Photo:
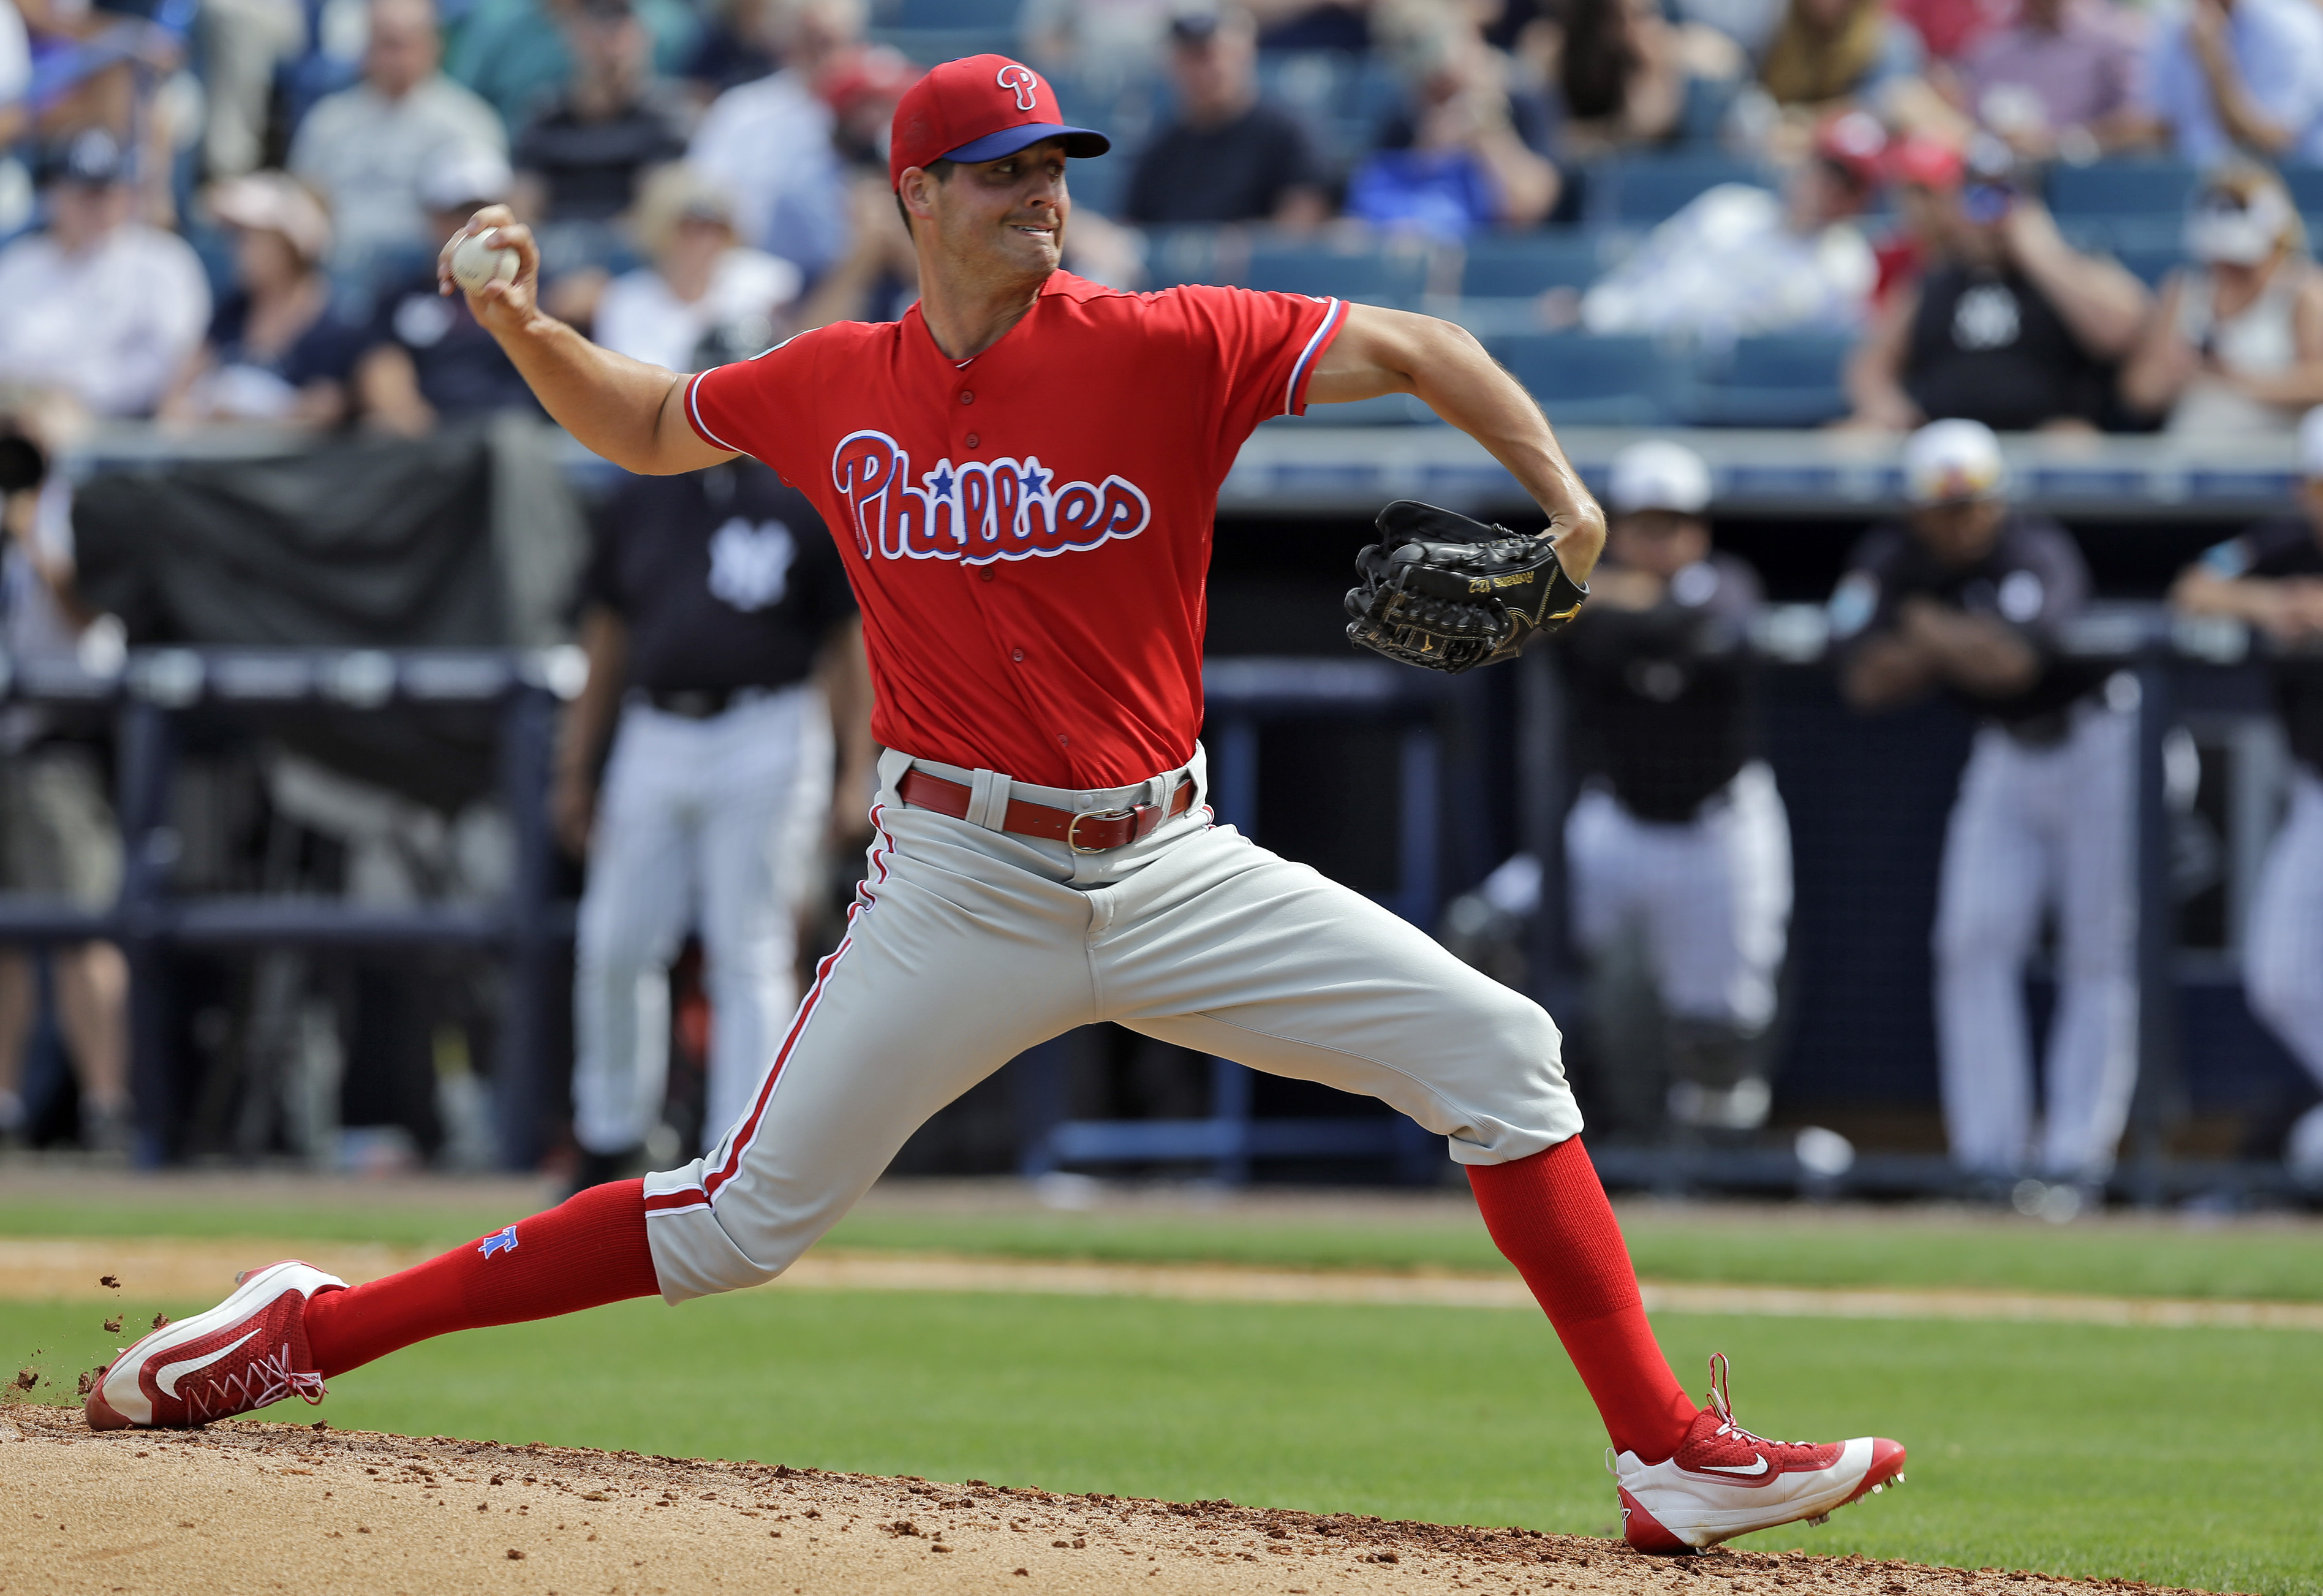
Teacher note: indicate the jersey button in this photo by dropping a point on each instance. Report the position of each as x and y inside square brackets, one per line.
[1017, 654]
[973, 440]
[984, 573]
[966, 396]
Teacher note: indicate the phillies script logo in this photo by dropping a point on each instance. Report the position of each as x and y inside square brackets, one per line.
[978, 511]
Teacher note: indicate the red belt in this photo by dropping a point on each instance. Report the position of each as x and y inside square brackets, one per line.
[1088, 830]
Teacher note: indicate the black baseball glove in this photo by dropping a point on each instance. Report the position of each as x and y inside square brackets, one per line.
[1449, 593]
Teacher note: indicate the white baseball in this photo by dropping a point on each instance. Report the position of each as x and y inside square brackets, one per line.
[475, 263]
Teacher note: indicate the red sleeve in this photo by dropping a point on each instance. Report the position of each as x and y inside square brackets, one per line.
[1266, 347]
[756, 407]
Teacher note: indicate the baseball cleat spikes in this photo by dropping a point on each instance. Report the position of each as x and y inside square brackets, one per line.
[1724, 1481]
[248, 1353]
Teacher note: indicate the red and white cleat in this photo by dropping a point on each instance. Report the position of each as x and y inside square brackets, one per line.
[247, 1351]
[1726, 1481]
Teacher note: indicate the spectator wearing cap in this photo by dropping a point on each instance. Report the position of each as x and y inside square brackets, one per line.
[1967, 596]
[1229, 156]
[519, 54]
[2008, 324]
[100, 307]
[424, 358]
[273, 352]
[1678, 849]
[771, 143]
[580, 159]
[705, 300]
[2063, 78]
[365, 148]
[1469, 151]
[2240, 75]
[1739, 261]
[2235, 348]
[2271, 579]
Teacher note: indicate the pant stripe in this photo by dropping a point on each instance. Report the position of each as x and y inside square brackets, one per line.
[704, 1196]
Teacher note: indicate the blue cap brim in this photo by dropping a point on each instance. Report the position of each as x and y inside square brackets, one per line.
[1080, 142]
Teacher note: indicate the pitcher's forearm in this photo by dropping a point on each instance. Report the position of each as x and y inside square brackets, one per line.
[622, 408]
[1464, 386]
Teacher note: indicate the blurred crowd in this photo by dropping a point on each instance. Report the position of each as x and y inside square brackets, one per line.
[226, 210]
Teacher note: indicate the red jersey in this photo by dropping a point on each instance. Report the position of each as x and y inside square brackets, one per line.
[1028, 531]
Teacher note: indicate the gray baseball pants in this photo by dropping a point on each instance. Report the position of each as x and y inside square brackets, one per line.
[2282, 957]
[709, 824]
[968, 945]
[1712, 895]
[2036, 826]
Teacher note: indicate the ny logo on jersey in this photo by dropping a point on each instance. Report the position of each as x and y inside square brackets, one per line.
[750, 566]
[499, 1242]
[979, 511]
[1022, 81]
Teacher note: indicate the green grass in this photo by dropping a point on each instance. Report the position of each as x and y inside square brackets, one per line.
[2185, 1457]
[1769, 1247]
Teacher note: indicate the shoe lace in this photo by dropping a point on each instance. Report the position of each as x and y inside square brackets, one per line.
[1725, 1409]
[258, 1383]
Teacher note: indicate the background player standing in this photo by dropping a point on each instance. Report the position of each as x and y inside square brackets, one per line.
[2272, 577]
[714, 604]
[1022, 474]
[1967, 597]
[1678, 839]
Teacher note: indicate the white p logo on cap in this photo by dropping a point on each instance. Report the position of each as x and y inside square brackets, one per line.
[1023, 81]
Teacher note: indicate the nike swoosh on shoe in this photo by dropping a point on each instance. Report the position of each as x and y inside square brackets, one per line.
[172, 1373]
[1755, 1468]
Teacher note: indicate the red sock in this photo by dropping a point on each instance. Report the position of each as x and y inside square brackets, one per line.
[587, 1250]
[1549, 1215]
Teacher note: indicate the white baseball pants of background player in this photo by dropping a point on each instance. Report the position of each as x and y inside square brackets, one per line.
[2283, 956]
[708, 824]
[968, 945]
[1711, 895]
[2036, 827]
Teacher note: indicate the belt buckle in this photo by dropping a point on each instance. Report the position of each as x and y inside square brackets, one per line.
[1073, 825]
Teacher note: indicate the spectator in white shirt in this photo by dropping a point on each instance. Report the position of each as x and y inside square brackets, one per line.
[2241, 74]
[365, 148]
[99, 307]
[705, 300]
[769, 142]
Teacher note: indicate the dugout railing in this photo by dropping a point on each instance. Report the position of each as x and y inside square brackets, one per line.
[149, 698]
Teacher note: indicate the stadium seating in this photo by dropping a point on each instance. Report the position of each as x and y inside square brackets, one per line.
[1641, 191]
[1783, 380]
[1508, 267]
[1597, 382]
[2111, 189]
[1371, 276]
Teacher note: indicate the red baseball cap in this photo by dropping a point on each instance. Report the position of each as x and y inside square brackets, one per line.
[1927, 163]
[980, 107]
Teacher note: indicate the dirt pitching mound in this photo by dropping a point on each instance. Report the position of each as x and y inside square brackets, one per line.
[260, 1507]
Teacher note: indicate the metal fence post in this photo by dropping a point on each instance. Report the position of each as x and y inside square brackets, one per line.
[522, 1081]
[149, 848]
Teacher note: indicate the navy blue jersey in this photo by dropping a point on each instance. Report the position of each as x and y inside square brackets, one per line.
[725, 578]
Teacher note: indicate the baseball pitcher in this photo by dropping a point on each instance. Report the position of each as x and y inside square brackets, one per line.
[1021, 474]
